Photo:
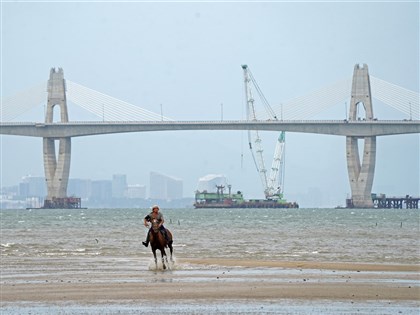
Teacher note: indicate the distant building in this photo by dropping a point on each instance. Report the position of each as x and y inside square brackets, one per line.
[81, 188]
[101, 190]
[10, 190]
[136, 192]
[165, 187]
[119, 185]
[32, 186]
[209, 182]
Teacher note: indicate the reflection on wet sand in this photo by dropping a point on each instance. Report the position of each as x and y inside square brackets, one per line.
[275, 286]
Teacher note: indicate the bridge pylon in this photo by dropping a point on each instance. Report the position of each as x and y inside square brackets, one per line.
[56, 167]
[361, 169]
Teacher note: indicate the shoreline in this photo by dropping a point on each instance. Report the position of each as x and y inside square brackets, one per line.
[349, 266]
[209, 280]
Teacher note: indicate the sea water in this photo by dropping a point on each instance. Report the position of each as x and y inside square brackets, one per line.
[334, 235]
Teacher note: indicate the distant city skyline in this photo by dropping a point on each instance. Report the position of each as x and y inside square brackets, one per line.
[118, 186]
[31, 191]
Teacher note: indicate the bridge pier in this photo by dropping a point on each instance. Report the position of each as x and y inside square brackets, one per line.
[57, 168]
[361, 172]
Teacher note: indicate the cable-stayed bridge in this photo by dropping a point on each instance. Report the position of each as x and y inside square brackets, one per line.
[326, 127]
[116, 116]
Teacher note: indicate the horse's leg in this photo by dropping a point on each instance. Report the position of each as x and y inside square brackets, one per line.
[171, 251]
[154, 255]
[170, 243]
[163, 258]
[166, 258]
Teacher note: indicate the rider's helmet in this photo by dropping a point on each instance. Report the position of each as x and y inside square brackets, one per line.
[155, 206]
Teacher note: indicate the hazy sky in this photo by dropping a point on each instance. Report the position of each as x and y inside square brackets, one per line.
[187, 57]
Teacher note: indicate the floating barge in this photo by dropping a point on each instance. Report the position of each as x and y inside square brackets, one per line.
[219, 199]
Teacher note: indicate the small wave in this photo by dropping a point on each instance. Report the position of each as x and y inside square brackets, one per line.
[70, 250]
[86, 254]
[7, 245]
[67, 252]
[70, 253]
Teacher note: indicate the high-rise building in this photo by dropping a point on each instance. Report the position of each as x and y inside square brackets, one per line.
[32, 186]
[165, 187]
[101, 190]
[136, 192]
[79, 187]
[119, 185]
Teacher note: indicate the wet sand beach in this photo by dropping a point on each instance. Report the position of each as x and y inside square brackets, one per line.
[108, 283]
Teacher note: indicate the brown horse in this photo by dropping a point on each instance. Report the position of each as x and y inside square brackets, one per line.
[158, 242]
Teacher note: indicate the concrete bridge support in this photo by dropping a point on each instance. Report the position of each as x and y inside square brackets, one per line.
[361, 170]
[57, 168]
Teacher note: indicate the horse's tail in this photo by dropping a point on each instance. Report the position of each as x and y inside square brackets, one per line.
[170, 239]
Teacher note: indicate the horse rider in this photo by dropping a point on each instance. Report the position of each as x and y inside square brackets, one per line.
[155, 215]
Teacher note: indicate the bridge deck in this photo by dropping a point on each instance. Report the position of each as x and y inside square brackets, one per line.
[359, 128]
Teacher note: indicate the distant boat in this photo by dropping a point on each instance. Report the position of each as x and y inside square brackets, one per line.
[219, 199]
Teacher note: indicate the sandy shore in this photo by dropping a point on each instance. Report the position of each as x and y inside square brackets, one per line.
[306, 265]
[90, 282]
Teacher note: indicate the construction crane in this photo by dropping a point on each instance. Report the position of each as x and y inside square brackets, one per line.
[272, 183]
